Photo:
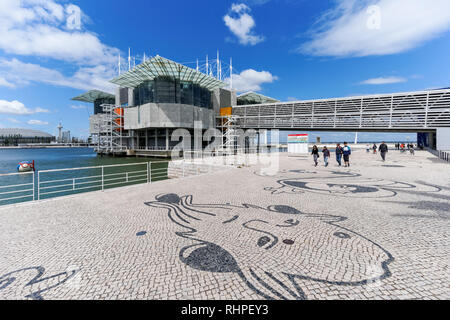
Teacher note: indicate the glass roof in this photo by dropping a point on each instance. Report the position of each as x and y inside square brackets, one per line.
[252, 96]
[159, 66]
[93, 95]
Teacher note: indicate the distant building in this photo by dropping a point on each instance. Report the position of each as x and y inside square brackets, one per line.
[66, 137]
[60, 127]
[15, 137]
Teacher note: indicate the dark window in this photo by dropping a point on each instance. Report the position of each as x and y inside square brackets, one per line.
[98, 104]
[170, 90]
[186, 93]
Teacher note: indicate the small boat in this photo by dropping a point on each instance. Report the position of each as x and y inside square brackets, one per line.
[26, 166]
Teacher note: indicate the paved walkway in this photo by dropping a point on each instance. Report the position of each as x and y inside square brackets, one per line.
[374, 231]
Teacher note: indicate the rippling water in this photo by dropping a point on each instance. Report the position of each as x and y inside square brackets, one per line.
[50, 159]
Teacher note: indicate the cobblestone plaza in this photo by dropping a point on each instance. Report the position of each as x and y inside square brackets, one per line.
[372, 231]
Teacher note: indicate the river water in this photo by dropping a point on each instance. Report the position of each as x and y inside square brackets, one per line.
[70, 181]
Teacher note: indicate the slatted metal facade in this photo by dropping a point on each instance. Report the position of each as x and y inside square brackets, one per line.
[424, 110]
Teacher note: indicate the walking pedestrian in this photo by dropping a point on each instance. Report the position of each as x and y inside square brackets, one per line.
[375, 148]
[411, 150]
[383, 150]
[315, 154]
[326, 155]
[339, 153]
[368, 148]
[347, 152]
[402, 148]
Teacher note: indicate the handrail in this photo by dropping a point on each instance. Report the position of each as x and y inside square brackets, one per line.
[15, 174]
[96, 167]
[77, 182]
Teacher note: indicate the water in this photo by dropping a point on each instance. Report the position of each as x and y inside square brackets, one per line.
[49, 159]
[71, 181]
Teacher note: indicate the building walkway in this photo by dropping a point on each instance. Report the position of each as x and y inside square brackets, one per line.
[374, 231]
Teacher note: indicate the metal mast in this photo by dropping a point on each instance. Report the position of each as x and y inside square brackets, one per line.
[218, 65]
[119, 65]
[129, 59]
[231, 73]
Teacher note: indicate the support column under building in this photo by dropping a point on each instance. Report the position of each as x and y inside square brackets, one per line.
[263, 137]
[146, 139]
[167, 139]
[137, 139]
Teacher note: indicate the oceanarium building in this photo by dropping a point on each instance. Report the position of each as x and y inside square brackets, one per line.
[151, 101]
[159, 96]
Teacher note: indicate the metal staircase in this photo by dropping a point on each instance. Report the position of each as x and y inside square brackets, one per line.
[230, 142]
[111, 132]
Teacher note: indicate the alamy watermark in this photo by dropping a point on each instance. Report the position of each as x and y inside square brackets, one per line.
[239, 147]
[73, 21]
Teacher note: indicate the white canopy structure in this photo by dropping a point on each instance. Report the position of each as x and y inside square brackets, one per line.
[93, 95]
[162, 67]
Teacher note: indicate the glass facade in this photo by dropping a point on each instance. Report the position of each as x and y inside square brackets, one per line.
[98, 104]
[170, 90]
[245, 102]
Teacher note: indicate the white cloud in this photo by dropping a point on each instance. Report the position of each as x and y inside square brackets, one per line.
[13, 120]
[384, 80]
[5, 83]
[39, 28]
[18, 108]
[78, 107]
[251, 80]
[86, 78]
[37, 123]
[393, 26]
[241, 23]
[48, 29]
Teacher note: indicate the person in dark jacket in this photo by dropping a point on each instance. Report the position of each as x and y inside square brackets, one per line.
[315, 154]
[347, 151]
[326, 155]
[339, 153]
[383, 150]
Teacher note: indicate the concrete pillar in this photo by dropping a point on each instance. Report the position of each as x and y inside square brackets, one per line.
[146, 139]
[263, 137]
[167, 140]
[132, 139]
[131, 97]
[137, 139]
[443, 139]
[117, 96]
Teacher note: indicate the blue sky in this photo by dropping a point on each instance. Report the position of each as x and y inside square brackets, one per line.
[285, 49]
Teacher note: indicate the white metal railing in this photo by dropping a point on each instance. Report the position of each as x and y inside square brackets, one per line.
[46, 184]
[154, 148]
[196, 154]
[410, 110]
[91, 178]
[18, 191]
